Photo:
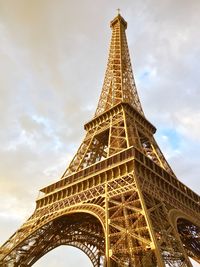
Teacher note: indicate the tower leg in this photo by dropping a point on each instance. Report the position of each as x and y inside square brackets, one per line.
[166, 237]
[139, 232]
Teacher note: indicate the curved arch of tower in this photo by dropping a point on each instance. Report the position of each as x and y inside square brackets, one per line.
[119, 200]
[72, 229]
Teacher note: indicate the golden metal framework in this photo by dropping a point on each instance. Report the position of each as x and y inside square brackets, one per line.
[118, 201]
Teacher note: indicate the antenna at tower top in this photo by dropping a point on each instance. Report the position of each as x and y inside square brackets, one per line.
[118, 11]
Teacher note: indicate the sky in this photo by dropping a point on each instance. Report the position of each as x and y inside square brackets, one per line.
[53, 57]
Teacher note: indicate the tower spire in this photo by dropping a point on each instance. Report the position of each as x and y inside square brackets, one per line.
[118, 201]
[119, 85]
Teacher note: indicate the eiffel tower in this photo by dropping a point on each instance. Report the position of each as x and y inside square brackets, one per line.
[118, 201]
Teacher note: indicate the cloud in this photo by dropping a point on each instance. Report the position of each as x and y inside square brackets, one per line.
[65, 253]
[53, 57]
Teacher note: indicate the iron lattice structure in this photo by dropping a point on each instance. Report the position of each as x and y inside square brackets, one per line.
[118, 201]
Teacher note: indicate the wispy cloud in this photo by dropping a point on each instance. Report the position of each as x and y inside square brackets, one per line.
[52, 62]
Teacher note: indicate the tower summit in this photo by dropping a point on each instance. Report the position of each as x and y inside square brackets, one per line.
[118, 201]
[119, 85]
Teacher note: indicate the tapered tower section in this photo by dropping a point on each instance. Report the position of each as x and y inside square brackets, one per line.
[119, 85]
[118, 201]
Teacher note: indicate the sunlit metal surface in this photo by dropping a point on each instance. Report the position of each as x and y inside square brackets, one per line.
[118, 201]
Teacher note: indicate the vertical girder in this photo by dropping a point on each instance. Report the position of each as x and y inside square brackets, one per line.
[116, 199]
[119, 85]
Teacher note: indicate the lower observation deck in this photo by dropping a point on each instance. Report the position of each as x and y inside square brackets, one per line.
[154, 179]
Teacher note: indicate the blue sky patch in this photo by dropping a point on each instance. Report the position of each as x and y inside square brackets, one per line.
[174, 138]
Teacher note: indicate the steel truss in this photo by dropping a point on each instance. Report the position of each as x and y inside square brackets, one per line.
[118, 201]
